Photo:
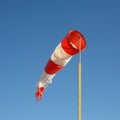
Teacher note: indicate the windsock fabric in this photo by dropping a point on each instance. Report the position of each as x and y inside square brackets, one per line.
[62, 54]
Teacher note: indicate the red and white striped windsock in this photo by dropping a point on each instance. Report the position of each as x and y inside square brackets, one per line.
[71, 44]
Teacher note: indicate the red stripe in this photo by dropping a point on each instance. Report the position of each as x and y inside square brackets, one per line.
[52, 68]
[67, 47]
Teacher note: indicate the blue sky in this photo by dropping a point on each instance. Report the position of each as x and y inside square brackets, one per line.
[29, 32]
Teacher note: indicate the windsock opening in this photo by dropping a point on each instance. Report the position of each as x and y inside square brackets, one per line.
[74, 37]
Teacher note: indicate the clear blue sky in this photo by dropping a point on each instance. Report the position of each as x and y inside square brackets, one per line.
[29, 32]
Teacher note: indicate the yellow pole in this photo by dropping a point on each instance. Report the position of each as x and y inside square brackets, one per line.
[79, 92]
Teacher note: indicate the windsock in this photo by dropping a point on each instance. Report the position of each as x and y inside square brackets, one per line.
[73, 43]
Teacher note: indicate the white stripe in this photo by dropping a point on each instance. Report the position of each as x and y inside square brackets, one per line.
[59, 56]
[45, 80]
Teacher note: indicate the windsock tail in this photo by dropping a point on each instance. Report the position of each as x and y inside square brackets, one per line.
[39, 93]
